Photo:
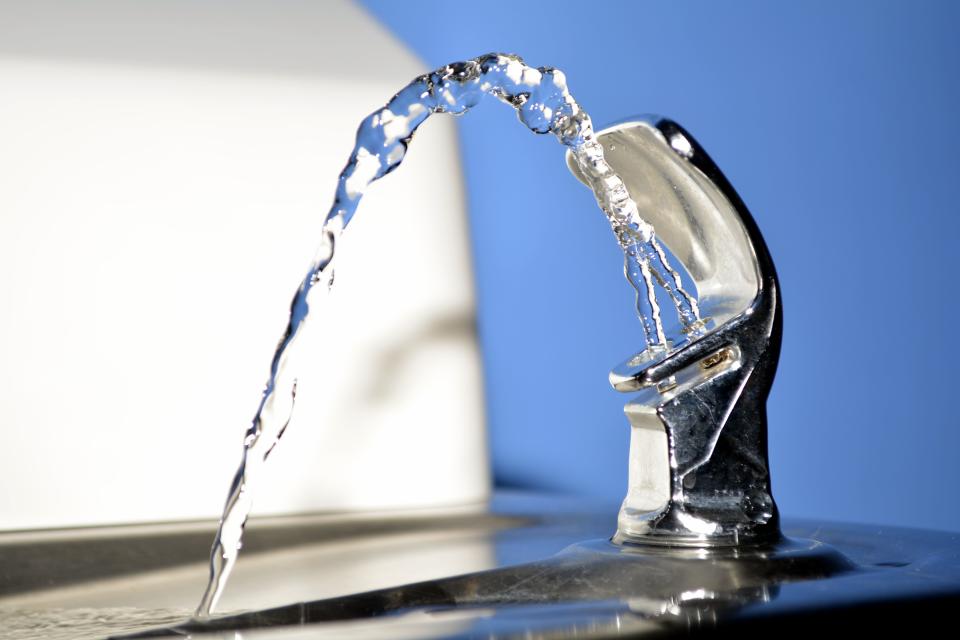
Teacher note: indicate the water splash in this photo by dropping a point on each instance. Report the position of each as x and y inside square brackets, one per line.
[544, 104]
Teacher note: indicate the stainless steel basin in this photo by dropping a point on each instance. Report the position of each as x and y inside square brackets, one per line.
[527, 566]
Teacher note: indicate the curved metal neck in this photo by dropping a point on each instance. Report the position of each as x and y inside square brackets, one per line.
[699, 472]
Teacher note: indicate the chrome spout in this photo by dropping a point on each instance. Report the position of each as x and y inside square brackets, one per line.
[699, 472]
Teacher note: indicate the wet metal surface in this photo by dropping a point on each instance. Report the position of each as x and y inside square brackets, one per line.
[541, 567]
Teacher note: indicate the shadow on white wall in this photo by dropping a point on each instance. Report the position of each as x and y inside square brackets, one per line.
[165, 169]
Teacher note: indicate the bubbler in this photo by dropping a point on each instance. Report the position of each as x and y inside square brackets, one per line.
[699, 474]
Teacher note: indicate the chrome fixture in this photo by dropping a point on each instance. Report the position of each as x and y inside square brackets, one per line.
[699, 473]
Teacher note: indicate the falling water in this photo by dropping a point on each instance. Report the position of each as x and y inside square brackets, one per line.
[544, 105]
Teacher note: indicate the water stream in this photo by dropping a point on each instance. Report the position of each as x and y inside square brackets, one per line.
[544, 105]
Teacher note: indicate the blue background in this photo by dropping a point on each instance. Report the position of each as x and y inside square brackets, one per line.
[836, 122]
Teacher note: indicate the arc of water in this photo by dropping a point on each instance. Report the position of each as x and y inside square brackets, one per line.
[544, 104]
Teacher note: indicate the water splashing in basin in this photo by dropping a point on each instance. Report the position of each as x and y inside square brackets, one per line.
[544, 105]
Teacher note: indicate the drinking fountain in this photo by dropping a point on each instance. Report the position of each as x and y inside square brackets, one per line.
[698, 546]
[699, 474]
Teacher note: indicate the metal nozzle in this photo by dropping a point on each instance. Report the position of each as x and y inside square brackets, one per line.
[699, 474]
